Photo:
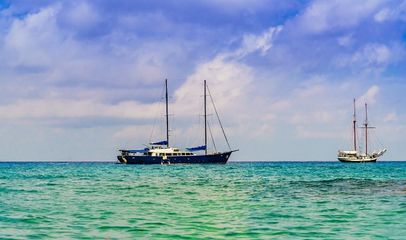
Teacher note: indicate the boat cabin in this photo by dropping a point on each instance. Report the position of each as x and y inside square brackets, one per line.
[347, 153]
[156, 151]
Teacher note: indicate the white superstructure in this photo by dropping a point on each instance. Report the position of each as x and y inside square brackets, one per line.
[156, 151]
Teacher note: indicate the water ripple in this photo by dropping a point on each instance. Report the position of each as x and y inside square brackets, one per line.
[246, 201]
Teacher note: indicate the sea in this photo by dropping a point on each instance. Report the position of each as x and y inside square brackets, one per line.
[250, 200]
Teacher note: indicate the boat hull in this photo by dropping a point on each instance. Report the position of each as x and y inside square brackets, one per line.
[357, 160]
[215, 158]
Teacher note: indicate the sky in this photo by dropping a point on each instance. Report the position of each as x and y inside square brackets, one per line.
[81, 79]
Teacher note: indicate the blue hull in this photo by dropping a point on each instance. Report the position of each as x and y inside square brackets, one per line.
[216, 158]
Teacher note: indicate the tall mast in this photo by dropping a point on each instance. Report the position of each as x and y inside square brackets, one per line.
[354, 122]
[205, 119]
[366, 129]
[167, 114]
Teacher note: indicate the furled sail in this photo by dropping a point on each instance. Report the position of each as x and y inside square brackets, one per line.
[160, 143]
[199, 148]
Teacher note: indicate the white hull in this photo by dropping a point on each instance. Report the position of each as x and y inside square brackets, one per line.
[357, 160]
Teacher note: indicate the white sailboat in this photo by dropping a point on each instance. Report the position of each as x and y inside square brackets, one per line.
[356, 155]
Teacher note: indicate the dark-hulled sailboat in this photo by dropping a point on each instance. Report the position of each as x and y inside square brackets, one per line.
[355, 155]
[162, 153]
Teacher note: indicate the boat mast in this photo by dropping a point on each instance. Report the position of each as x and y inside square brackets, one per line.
[205, 120]
[366, 129]
[167, 114]
[354, 122]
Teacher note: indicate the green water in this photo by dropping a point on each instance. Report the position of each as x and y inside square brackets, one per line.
[233, 201]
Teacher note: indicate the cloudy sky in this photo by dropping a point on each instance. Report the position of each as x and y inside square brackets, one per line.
[81, 79]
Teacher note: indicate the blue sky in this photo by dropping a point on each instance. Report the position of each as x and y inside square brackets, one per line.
[81, 79]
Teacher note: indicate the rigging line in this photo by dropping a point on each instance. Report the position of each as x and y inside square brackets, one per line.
[377, 143]
[218, 118]
[212, 138]
[379, 140]
[380, 143]
[156, 115]
[376, 140]
[374, 145]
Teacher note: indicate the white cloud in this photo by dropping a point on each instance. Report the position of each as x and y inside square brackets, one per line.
[313, 133]
[63, 108]
[82, 15]
[373, 54]
[141, 131]
[27, 39]
[233, 85]
[228, 81]
[382, 15]
[320, 108]
[392, 12]
[323, 16]
[390, 117]
[261, 43]
[369, 96]
[372, 57]
[48, 59]
[233, 5]
[346, 40]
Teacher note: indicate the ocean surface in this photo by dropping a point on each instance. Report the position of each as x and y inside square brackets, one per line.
[273, 200]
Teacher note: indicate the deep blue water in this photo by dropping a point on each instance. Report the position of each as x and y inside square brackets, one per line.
[298, 200]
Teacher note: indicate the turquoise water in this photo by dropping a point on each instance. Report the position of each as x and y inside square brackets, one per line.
[237, 200]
